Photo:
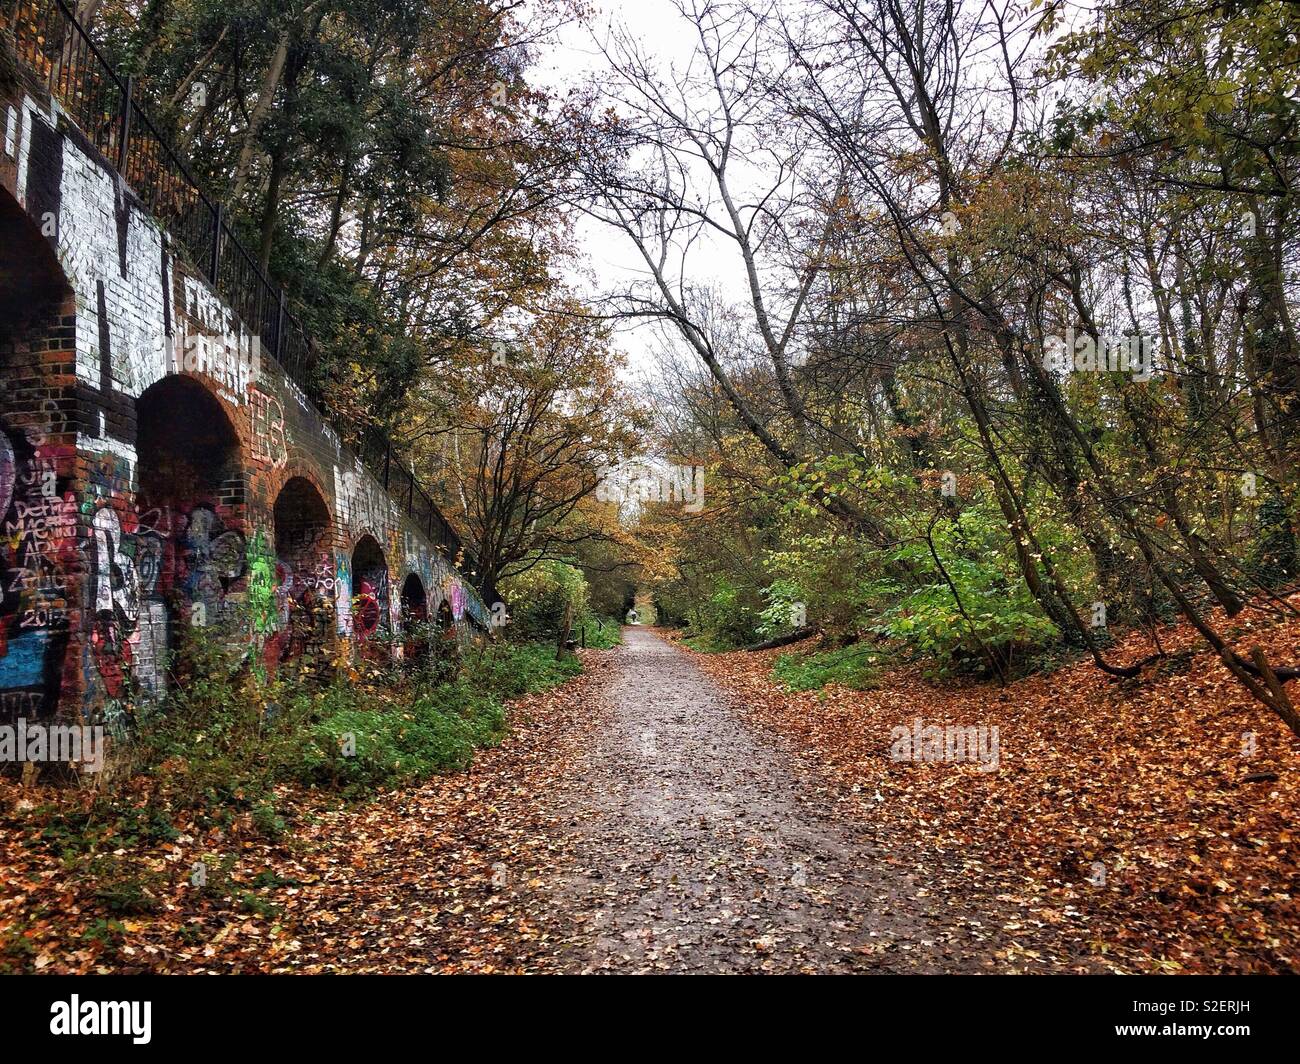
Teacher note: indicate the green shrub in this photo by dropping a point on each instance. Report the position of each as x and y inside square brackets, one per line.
[1273, 558]
[707, 643]
[602, 633]
[786, 609]
[537, 599]
[857, 667]
[1003, 618]
[727, 620]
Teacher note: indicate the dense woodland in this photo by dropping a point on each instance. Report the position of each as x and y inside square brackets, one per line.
[958, 195]
[976, 322]
[1006, 356]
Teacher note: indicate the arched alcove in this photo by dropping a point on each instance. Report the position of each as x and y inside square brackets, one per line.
[369, 590]
[304, 570]
[188, 547]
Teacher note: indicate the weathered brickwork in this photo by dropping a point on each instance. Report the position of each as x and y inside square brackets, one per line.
[157, 469]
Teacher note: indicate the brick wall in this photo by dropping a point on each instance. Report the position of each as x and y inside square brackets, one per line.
[158, 471]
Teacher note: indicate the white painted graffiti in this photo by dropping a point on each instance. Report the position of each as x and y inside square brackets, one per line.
[270, 436]
[225, 350]
[362, 504]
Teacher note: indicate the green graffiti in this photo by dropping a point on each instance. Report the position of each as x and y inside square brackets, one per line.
[261, 586]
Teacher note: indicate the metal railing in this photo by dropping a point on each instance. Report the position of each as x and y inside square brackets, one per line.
[51, 42]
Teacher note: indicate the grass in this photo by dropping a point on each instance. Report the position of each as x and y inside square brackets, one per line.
[230, 755]
[708, 643]
[512, 671]
[856, 667]
[603, 633]
[222, 747]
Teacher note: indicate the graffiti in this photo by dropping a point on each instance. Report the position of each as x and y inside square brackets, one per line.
[270, 438]
[361, 503]
[343, 594]
[153, 626]
[262, 584]
[225, 350]
[213, 556]
[121, 520]
[366, 611]
[305, 583]
[305, 605]
[475, 608]
[116, 589]
[129, 632]
[305, 577]
[141, 577]
[455, 592]
[35, 521]
[109, 475]
[371, 603]
[8, 475]
[263, 602]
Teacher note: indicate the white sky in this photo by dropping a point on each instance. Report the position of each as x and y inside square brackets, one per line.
[574, 60]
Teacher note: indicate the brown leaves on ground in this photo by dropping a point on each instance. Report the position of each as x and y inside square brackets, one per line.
[431, 879]
[1138, 826]
[1141, 826]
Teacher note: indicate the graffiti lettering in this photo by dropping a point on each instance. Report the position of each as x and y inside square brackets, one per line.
[270, 439]
[33, 584]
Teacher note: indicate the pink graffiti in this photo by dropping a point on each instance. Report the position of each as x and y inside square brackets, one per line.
[365, 611]
[8, 473]
[456, 594]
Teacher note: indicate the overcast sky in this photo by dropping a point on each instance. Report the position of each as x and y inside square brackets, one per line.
[574, 59]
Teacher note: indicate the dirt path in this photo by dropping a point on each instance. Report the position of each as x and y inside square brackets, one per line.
[632, 822]
[693, 845]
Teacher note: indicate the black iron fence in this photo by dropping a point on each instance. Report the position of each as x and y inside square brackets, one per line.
[50, 41]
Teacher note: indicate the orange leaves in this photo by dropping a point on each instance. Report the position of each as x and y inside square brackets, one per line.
[430, 879]
[1146, 826]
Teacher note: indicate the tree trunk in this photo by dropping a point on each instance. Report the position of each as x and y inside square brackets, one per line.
[562, 648]
[270, 85]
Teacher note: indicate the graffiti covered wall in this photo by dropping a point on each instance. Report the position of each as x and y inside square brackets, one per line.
[158, 470]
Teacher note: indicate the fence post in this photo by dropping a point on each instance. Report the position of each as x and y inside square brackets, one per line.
[217, 212]
[124, 130]
[279, 328]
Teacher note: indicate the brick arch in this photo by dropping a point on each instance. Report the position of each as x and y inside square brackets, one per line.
[413, 611]
[181, 417]
[38, 325]
[351, 537]
[414, 597]
[371, 588]
[301, 548]
[32, 281]
[36, 621]
[187, 536]
[40, 603]
[297, 469]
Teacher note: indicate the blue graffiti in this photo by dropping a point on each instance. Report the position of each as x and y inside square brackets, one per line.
[24, 664]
